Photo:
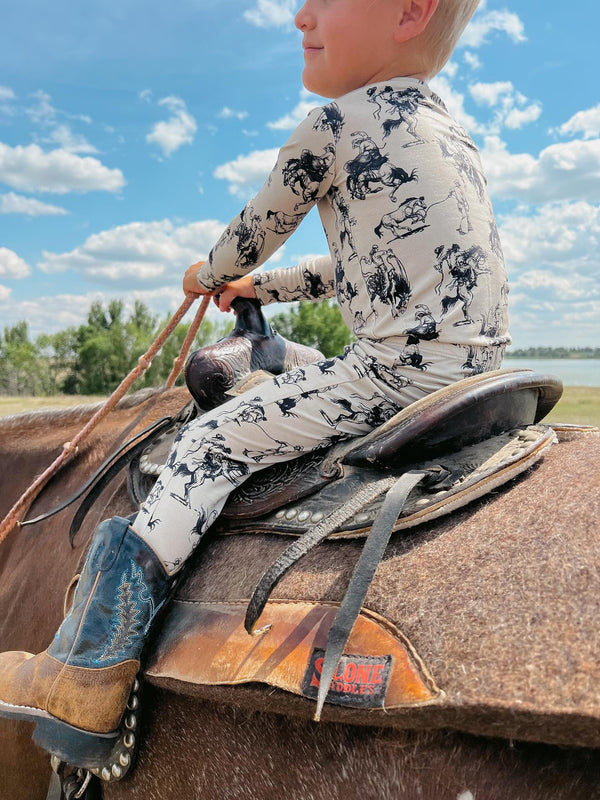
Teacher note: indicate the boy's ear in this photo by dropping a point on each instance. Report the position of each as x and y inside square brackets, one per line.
[413, 18]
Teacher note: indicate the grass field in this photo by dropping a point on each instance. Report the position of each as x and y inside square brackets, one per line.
[578, 404]
[15, 405]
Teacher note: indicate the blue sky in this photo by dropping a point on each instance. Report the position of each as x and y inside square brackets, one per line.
[131, 133]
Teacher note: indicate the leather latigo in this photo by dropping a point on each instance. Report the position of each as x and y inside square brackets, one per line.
[206, 644]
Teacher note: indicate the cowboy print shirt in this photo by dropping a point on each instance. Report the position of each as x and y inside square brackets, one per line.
[414, 249]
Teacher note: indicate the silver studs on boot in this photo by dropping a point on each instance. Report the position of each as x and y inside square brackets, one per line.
[121, 758]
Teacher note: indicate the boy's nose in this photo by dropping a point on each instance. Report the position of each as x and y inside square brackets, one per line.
[304, 18]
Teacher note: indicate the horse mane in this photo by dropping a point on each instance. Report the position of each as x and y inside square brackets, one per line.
[71, 414]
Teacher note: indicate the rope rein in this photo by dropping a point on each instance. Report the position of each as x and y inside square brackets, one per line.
[70, 449]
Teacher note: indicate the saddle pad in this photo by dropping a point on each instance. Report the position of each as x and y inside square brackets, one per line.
[499, 601]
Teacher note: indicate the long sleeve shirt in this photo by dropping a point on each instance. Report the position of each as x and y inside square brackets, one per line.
[414, 252]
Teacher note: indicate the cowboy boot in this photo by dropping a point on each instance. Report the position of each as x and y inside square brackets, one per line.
[76, 690]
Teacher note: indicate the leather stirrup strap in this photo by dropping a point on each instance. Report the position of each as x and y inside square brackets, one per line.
[305, 543]
[361, 579]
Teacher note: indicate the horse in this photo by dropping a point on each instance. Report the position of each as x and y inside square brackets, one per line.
[463, 588]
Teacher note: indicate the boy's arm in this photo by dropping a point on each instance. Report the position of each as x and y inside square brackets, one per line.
[302, 175]
[274, 286]
[311, 280]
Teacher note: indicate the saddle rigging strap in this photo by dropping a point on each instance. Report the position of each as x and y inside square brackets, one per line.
[102, 479]
[301, 546]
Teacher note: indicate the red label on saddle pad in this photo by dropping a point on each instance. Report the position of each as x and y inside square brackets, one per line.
[359, 681]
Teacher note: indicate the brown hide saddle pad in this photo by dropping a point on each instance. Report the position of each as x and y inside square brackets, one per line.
[484, 620]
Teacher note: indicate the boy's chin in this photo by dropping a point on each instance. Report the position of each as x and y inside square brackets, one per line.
[314, 85]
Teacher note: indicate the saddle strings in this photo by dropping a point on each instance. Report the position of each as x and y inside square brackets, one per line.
[71, 448]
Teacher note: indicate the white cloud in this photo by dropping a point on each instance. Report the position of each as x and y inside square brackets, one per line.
[477, 31]
[6, 93]
[245, 173]
[229, 113]
[12, 265]
[586, 122]
[308, 101]
[511, 109]
[63, 136]
[553, 272]
[562, 236]
[490, 93]
[55, 313]
[472, 60]
[43, 112]
[145, 95]
[271, 13]
[544, 282]
[178, 130]
[4, 293]
[140, 251]
[12, 203]
[30, 169]
[564, 171]
[517, 117]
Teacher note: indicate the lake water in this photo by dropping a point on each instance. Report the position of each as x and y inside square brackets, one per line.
[571, 371]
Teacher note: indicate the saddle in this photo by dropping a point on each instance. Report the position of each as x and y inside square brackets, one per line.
[398, 648]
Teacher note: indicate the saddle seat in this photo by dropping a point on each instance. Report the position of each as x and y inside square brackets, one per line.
[287, 498]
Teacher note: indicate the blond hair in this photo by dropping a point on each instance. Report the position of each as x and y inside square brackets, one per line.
[438, 40]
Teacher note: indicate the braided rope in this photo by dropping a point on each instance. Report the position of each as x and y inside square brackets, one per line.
[70, 449]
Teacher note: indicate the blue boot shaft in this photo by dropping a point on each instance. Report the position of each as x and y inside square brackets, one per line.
[122, 586]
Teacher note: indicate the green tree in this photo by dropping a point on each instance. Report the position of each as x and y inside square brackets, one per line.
[98, 355]
[95, 357]
[19, 372]
[317, 325]
[103, 350]
[209, 332]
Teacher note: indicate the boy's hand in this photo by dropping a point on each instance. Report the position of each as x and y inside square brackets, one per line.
[190, 283]
[243, 287]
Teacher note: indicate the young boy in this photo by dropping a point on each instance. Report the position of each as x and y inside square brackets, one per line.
[416, 265]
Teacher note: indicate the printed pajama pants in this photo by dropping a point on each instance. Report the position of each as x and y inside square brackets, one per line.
[305, 409]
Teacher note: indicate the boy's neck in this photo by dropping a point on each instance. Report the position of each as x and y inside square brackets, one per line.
[405, 66]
